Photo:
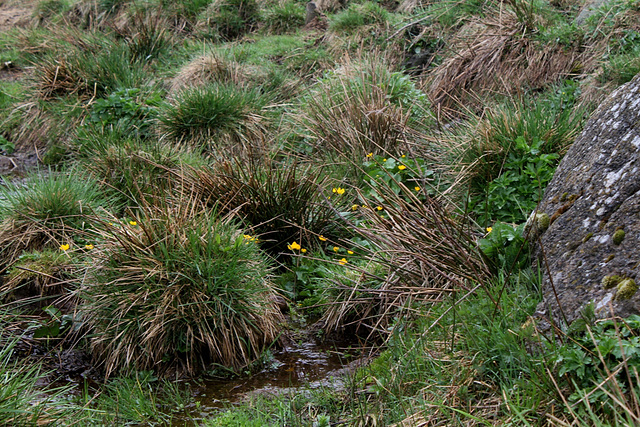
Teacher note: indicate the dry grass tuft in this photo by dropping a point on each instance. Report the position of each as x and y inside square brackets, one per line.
[280, 203]
[355, 111]
[32, 129]
[428, 251]
[497, 55]
[57, 77]
[208, 69]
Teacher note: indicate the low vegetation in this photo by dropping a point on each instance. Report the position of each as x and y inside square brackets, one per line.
[210, 171]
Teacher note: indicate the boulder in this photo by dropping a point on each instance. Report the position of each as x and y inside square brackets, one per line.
[591, 250]
[589, 9]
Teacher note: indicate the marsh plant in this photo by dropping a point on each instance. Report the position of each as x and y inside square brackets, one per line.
[230, 18]
[22, 400]
[179, 288]
[214, 116]
[361, 109]
[284, 17]
[52, 209]
[280, 202]
[126, 167]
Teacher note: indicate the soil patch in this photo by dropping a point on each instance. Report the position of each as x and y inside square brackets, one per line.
[12, 16]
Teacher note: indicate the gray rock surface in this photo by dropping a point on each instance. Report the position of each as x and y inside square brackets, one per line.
[592, 246]
[590, 7]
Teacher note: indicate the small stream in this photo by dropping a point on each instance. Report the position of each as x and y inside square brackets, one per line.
[296, 367]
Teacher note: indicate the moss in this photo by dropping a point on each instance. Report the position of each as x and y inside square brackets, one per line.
[572, 198]
[609, 258]
[618, 236]
[611, 281]
[564, 197]
[587, 237]
[542, 222]
[626, 289]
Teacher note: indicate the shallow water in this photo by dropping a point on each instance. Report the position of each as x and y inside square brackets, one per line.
[297, 367]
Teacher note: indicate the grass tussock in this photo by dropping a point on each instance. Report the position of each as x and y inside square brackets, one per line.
[48, 213]
[280, 203]
[496, 55]
[429, 253]
[206, 69]
[482, 147]
[127, 168]
[361, 109]
[216, 116]
[179, 288]
[40, 276]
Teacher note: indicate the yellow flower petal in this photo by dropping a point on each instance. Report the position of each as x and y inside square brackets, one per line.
[336, 249]
[133, 223]
[322, 238]
[343, 261]
[354, 207]
[64, 247]
[350, 252]
[416, 188]
[303, 250]
[88, 247]
[294, 246]
[489, 229]
[402, 167]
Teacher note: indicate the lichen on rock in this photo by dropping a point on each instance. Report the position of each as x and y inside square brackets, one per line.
[595, 183]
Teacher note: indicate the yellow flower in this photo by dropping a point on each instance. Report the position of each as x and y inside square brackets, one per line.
[64, 247]
[303, 250]
[338, 190]
[403, 156]
[133, 223]
[336, 249]
[88, 247]
[416, 188]
[379, 208]
[370, 155]
[354, 207]
[489, 229]
[384, 160]
[402, 167]
[350, 252]
[322, 238]
[294, 246]
[343, 261]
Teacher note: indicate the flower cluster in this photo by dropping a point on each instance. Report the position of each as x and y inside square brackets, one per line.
[296, 247]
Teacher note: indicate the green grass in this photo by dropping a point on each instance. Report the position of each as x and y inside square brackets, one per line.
[185, 289]
[358, 15]
[198, 191]
[140, 398]
[22, 401]
[51, 210]
[213, 115]
[285, 17]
